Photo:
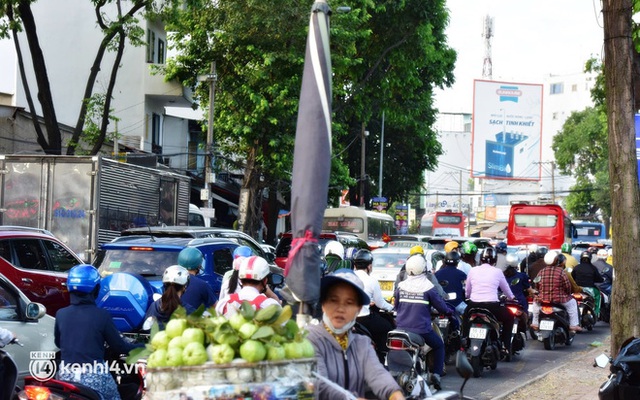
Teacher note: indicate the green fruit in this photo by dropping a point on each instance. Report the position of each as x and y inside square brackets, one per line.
[268, 314]
[237, 320]
[225, 334]
[308, 351]
[193, 335]
[177, 341]
[157, 359]
[174, 357]
[220, 353]
[175, 327]
[275, 352]
[194, 353]
[253, 351]
[247, 330]
[293, 350]
[160, 340]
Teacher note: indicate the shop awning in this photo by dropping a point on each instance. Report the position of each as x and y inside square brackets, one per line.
[497, 231]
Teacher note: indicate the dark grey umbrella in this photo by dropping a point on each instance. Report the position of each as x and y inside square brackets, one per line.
[311, 160]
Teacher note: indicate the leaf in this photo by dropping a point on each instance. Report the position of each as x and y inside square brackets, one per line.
[179, 313]
[263, 332]
[138, 353]
[247, 310]
[155, 328]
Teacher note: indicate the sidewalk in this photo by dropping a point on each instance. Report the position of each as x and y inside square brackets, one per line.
[575, 380]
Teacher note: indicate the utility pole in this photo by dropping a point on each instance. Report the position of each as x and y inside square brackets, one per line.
[553, 178]
[363, 136]
[209, 176]
[381, 157]
[460, 194]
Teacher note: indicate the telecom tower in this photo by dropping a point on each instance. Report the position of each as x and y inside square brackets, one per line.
[487, 34]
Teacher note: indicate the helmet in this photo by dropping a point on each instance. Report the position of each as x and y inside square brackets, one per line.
[469, 248]
[488, 256]
[452, 258]
[349, 253]
[347, 276]
[554, 258]
[592, 250]
[541, 251]
[585, 257]
[334, 247]
[511, 260]
[254, 267]
[533, 248]
[451, 245]
[175, 274]
[362, 259]
[83, 278]
[501, 248]
[610, 251]
[417, 249]
[415, 265]
[602, 253]
[566, 248]
[190, 258]
[242, 251]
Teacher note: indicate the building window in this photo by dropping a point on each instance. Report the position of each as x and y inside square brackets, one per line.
[554, 115]
[151, 45]
[155, 130]
[574, 87]
[557, 88]
[160, 51]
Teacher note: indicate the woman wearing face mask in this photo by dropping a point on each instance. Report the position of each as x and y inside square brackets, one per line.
[347, 359]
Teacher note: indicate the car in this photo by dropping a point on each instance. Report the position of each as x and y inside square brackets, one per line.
[410, 237]
[37, 263]
[201, 232]
[386, 265]
[348, 240]
[29, 323]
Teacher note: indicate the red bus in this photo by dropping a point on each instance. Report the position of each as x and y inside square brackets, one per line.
[545, 225]
[443, 223]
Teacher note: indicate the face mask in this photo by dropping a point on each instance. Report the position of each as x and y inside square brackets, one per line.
[336, 331]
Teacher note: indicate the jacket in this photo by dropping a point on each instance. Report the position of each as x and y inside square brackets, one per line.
[414, 298]
[86, 345]
[198, 292]
[360, 360]
[455, 279]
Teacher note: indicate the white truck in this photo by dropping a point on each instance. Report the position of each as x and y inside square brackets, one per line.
[87, 200]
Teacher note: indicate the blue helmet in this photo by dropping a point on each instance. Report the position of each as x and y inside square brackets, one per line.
[190, 258]
[242, 251]
[501, 248]
[83, 278]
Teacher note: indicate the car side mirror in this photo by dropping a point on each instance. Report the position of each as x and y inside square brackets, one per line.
[276, 279]
[271, 258]
[35, 311]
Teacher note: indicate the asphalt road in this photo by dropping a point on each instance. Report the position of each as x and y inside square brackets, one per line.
[532, 362]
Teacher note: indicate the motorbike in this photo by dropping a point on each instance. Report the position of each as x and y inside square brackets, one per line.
[8, 374]
[586, 307]
[518, 333]
[554, 325]
[605, 295]
[624, 380]
[407, 361]
[483, 340]
[450, 336]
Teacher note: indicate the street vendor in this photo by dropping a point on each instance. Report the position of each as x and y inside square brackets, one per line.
[342, 296]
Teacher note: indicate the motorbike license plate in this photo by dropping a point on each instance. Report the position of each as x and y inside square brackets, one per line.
[546, 325]
[515, 328]
[386, 285]
[443, 322]
[477, 333]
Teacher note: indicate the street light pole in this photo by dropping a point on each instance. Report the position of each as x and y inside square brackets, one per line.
[209, 177]
[381, 157]
[362, 162]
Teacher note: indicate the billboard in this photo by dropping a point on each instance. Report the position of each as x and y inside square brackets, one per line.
[507, 130]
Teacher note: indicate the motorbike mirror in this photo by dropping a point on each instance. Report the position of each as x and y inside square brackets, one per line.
[156, 296]
[452, 295]
[536, 279]
[602, 361]
[148, 323]
[463, 366]
[276, 279]
[35, 311]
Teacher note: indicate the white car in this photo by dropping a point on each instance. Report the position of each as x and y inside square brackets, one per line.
[387, 262]
[28, 322]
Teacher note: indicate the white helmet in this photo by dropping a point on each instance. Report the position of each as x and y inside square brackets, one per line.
[175, 274]
[550, 257]
[602, 253]
[254, 267]
[415, 265]
[511, 260]
[334, 247]
[533, 248]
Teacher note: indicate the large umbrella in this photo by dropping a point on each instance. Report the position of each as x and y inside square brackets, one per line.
[311, 161]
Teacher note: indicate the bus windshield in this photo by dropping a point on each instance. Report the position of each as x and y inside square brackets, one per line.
[588, 231]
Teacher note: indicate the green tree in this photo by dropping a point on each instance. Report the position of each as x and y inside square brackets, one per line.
[581, 151]
[117, 27]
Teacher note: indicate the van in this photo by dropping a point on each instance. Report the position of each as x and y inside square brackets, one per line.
[196, 217]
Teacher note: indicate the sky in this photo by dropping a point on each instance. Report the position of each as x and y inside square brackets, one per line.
[532, 39]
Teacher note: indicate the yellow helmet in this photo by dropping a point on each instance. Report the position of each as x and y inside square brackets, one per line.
[417, 249]
[450, 246]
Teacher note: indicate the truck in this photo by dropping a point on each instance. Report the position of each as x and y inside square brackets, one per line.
[86, 201]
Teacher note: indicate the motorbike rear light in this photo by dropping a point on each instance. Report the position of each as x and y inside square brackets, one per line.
[40, 393]
[396, 344]
[577, 296]
[546, 309]
[514, 310]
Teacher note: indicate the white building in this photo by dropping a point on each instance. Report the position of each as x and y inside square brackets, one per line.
[69, 37]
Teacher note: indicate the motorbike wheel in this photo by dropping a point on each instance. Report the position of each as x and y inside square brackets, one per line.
[550, 342]
[533, 334]
[476, 363]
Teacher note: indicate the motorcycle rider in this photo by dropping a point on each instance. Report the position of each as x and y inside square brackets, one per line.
[454, 279]
[334, 257]
[414, 298]
[230, 278]
[343, 357]
[522, 288]
[501, 250]
[571, 260]
[198, 292]
[418, 251]
[81, 331]
[602, 266]
[468, 253]
[482, 287]
[536, 266]
[554, 286]
[253, 274]
[175, 280]
[375, 323]
[530, 259]
[587, 275]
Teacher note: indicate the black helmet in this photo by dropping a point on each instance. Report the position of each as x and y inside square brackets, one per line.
[362, 259]
[452, 258]
[501, 248]
[585, 257]
[488, 256]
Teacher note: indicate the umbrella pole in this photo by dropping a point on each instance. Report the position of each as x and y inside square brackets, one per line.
[304, 316]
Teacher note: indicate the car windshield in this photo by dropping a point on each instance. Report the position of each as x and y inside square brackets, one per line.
[389, 260]
[145, 263]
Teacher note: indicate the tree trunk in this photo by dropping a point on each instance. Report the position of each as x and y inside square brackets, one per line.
[625, 195]
[250, 204]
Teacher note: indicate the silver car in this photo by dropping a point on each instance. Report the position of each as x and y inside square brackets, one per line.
[28, 322]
